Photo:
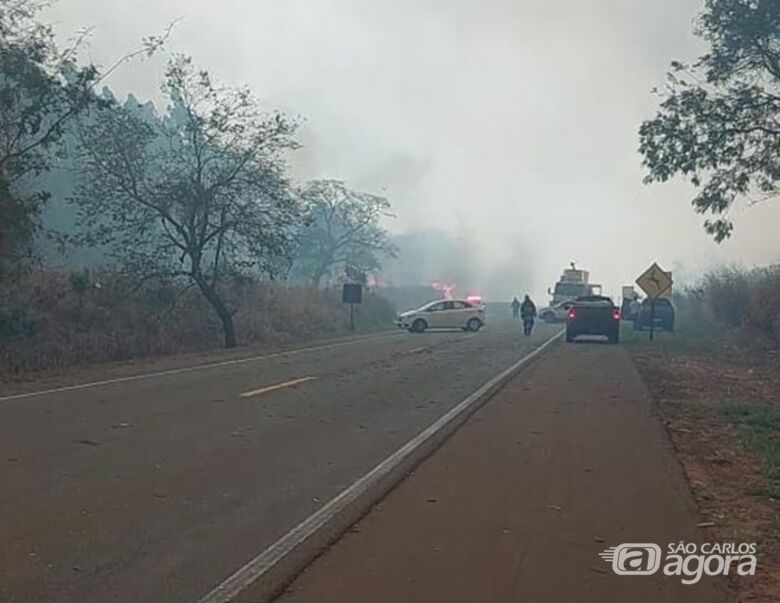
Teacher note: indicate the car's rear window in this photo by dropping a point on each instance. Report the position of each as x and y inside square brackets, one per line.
[589, 299]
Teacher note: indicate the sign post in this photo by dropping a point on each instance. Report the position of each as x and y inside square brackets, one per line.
[654, 282]
[352, 294]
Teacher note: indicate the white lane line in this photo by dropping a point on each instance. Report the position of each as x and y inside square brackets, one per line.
[197, 367]
[260, 565]
[277, 386]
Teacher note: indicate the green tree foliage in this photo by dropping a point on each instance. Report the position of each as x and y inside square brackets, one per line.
[198, 194]
[41, 90]
[719, 122]
[343, 230]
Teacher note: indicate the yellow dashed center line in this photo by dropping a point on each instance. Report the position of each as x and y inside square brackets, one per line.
[272, 388]
[417, 350]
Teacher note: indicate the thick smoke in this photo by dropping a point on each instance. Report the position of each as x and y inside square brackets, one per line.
[510, 126]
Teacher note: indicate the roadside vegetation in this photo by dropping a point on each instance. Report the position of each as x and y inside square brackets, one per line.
[758, 426]
[190, 231]
[716, 381]
[733, 306]
[59, 318]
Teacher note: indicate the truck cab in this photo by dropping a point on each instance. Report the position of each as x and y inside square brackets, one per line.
[573, 283]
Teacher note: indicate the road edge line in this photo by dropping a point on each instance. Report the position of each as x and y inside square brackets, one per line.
[200, 367]
[265, 576]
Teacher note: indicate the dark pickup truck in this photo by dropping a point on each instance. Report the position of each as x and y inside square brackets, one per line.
[593, 315]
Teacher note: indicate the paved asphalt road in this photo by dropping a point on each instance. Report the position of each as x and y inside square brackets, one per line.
[157, 489]
[569, 458]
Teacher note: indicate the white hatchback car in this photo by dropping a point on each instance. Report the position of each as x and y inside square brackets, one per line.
[444, 314]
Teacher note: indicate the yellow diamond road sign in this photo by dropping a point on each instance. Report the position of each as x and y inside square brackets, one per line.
[654, 281]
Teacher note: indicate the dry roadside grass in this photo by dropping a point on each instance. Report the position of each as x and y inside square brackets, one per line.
[54, 320]
[707, 396]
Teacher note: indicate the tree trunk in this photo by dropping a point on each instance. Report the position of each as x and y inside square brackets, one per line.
[224, 315]
[317, 278]
[322, 269]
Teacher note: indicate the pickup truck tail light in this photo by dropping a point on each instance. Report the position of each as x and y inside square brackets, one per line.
[571, 314]
[616, 314]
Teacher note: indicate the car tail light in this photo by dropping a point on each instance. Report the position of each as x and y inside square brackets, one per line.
[571, 314]
[616, 314]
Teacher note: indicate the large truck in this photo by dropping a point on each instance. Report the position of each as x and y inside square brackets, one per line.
[573, 283]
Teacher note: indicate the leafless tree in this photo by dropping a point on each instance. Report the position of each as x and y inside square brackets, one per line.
[198, 194]
[344, 229]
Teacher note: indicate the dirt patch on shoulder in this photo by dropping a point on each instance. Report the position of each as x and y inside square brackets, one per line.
[730, 482]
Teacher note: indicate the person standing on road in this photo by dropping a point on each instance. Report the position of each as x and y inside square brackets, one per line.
[515, 308]
[528, 314]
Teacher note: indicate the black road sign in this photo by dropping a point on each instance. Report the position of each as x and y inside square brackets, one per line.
[352, 293]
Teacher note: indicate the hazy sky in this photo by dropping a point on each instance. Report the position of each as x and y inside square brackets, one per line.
[512, 123]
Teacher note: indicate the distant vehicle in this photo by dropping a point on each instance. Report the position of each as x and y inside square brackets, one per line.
[629, 307]
[555, 313]
[593, 315]
[444, 314]
[573, 283]
[629, 310]
[662, 317]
